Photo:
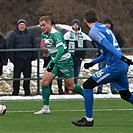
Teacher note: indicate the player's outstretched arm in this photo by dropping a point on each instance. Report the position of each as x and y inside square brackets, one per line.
[88, 65]
[97, 60]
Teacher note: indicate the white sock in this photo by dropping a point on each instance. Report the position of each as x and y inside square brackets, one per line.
[88, 119]
[45, 106]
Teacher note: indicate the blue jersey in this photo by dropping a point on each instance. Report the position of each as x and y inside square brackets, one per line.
[116, 70]
[106, 42]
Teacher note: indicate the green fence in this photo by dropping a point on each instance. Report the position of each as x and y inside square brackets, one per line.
[127, 51]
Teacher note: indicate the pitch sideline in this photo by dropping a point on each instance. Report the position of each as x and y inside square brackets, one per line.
[96, 110]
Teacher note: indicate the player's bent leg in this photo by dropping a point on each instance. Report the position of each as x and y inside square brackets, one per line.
[126, 95]
[78, 90]
[90, 83]
[69, 83]
[46, 80]
[45, 94]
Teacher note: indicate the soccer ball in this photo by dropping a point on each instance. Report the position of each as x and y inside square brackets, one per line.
[2, 109]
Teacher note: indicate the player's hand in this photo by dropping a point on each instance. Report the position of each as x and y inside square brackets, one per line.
[87, 65]
[128, 61]
[50, 68]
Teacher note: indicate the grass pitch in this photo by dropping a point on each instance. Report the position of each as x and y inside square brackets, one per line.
[110, 116]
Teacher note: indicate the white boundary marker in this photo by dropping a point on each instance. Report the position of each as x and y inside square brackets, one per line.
[39, 97]
[96, 110]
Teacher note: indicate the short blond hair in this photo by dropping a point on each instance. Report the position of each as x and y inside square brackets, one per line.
[45, 18]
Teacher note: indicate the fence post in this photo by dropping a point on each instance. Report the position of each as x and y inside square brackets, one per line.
[38, 73]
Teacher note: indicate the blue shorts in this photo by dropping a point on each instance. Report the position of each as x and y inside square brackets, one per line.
[115, 74]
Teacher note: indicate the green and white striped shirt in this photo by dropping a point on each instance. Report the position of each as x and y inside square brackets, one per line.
[53, 41]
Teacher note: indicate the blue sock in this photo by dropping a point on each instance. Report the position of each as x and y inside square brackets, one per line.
[88, 102]
[131, 99]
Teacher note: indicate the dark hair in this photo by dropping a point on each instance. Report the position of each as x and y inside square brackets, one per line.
[52, 22]
[107, 20]
[90, 16]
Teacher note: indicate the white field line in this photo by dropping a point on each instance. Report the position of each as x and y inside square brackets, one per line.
[96, 110]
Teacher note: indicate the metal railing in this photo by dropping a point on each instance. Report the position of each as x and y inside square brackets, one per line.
[38, 78]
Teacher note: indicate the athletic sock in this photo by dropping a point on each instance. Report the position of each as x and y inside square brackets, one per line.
[45, 94]
[131, 99]
[78, 90]
[88, 102]
[89, 119]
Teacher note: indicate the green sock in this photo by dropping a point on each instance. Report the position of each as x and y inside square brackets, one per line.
[78, 90]
[45, 94]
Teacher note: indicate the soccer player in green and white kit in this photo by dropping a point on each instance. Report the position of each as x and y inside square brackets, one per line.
[61, 60]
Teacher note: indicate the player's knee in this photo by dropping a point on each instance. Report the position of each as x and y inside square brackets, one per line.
[70, 87]
[90, 83]
[45, 83]
[125, 94]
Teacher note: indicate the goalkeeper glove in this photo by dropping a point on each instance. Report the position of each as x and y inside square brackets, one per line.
[50, 68]
[87, 65]
[128, 61]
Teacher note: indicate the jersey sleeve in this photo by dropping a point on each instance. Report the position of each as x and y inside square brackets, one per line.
[97, 36]
[59, 53]
[111, 48]
[99, 59]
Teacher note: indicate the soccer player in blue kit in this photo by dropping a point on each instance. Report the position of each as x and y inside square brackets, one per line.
[115, 72]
